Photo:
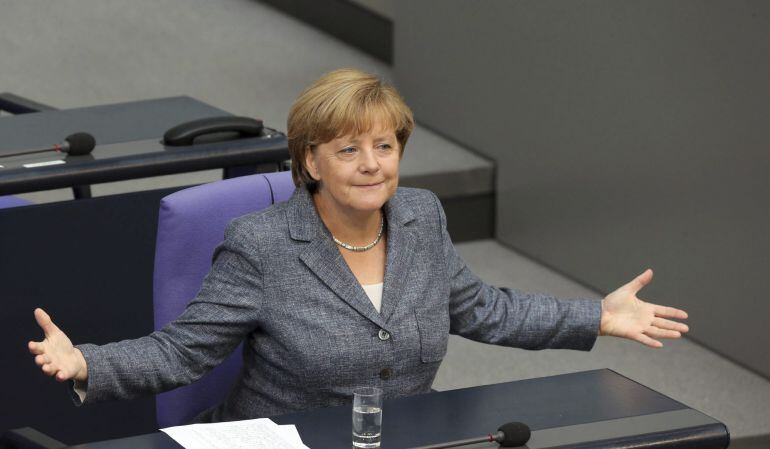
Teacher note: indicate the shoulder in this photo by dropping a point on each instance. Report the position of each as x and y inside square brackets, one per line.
[420, 204]
[411, 197]
[251, 231]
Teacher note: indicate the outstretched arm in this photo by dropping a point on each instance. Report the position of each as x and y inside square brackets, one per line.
[224, 311]
[536, 321]
[511, 317]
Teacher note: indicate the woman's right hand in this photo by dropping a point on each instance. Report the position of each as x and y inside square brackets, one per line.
[55, 355]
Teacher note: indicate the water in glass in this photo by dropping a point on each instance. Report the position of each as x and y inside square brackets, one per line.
[367, 425]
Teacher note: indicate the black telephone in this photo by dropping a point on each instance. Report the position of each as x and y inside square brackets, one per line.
[212, 129]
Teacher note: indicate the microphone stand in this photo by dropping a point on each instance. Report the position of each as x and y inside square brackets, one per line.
[487, 439]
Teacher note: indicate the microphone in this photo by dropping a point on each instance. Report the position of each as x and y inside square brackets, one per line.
[76, 144]
[512, 434]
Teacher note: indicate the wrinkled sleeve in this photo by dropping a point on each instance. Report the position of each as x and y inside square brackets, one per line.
[221, 315]
[510, 317]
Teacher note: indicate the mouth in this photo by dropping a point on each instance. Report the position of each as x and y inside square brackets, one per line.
[370, 186]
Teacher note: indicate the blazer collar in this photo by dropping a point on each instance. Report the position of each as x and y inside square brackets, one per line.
[325, 260]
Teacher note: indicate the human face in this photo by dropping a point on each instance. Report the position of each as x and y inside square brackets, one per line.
[356, 173]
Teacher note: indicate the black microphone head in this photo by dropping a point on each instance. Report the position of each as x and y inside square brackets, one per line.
[80, 143]
[514, 434]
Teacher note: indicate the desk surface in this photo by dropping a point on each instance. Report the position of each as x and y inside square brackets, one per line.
[127, 145]
[109, 124]
[597, 409]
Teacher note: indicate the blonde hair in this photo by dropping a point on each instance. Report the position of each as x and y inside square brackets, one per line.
[340, 103]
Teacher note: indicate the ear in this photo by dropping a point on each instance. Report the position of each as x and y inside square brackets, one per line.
[311, 165]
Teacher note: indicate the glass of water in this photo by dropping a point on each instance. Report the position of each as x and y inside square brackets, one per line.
[367, 417]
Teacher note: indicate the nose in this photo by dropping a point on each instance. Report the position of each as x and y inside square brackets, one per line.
[369, 162]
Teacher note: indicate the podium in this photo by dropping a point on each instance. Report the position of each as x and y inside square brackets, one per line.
[598, 409]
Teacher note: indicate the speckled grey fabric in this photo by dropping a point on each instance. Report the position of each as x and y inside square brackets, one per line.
[312, 335]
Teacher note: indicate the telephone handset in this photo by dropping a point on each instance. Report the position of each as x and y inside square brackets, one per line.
[219, 128]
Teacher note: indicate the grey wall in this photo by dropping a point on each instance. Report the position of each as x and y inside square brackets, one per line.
[627, 135]
[381, 7]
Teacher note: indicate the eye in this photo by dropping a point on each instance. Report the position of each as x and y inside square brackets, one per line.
[347, 152]
[384, 146]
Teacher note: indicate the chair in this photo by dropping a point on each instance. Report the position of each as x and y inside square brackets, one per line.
[12, 201]
[191, 224]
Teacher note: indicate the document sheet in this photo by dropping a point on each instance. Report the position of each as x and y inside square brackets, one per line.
[259, 433]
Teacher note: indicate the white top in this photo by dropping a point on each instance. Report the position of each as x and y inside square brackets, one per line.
[374, 292]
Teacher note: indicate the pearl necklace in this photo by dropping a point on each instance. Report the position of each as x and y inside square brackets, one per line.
[359, 249]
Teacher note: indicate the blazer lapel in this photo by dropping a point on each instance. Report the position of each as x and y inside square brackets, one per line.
[323, 258]
[402, 244]
[327, 263]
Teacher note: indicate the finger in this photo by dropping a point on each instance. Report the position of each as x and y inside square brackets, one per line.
[36, 347]
[41, 360]
[49, 369]
[645, 340]
[671, 325]
[640, 281]
[655, 332]
[45, 322]
[669, 312]
[61, 376]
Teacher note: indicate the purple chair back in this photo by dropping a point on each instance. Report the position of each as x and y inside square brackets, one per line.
[281, 185]
[191, 224]
[12, 201]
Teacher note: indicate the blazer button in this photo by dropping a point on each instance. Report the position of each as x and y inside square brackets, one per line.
[384, 335]
[386, 373]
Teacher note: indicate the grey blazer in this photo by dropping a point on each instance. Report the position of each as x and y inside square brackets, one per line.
[311, 333]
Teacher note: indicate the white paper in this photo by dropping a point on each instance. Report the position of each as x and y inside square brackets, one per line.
[289, 433]
[259, 433]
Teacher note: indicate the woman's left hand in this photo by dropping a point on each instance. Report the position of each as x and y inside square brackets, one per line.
[625, 315]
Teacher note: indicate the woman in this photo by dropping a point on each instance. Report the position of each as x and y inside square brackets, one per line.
[353, 281]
